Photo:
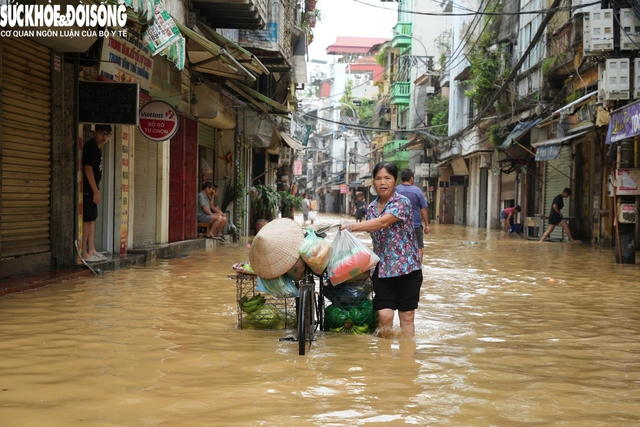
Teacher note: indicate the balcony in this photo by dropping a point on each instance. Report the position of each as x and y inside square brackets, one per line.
[401, 93]
[402, 35]
[400, 158]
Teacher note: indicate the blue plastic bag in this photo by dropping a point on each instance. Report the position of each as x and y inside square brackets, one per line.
[280, 287]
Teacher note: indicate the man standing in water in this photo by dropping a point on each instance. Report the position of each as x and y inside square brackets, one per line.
[91, 176]
[418, 206]
[556, 218]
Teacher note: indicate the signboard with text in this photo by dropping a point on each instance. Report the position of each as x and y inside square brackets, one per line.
[158, 121]
[624, 123]
[106, 102]
[127, 60]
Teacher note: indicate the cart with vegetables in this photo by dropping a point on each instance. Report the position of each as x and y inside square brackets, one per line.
[329, 282]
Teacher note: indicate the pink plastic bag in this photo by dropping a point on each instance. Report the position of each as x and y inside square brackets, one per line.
[350, 258]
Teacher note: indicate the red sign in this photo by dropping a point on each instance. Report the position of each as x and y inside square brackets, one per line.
[344, 188]
[158, 121]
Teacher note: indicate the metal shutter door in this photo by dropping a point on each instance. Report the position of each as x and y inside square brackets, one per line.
[554, 183]
[26, 148]
[145, 191]
[207, 136]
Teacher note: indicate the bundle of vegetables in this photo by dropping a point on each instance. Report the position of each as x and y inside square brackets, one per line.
[316, 252]
[353, 320]
[249, 305]
[265, 317]
[243, 267]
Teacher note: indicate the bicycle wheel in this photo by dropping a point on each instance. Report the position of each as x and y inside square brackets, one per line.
[305, 314]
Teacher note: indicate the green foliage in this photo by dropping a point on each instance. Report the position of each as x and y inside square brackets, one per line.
[442, 60]
[485, 62]
[365, 111]
[503, 107]
[547, 65]
[575, 95]
[438, 109]
[288, 203]
[381, 57]
[494, 135]
[265, 202]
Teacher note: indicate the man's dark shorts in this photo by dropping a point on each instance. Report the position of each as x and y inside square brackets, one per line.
[400, 293]
[419, 236]
[89, 209]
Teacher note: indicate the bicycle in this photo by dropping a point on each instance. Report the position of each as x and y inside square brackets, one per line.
[310, 306]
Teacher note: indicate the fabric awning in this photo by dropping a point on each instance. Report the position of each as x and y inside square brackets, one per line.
[556, 141]
[518, 132]
[256, 98]
[291, 142]
[550, 149]
[207, 57]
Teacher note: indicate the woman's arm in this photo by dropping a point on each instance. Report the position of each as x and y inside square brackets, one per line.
[371, 225]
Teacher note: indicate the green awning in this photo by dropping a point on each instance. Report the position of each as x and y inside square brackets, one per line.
[242, 55]
[255, 96]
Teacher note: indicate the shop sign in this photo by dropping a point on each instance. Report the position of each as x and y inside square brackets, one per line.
[127, 60]
[335, 187]
[158, 121]
[344, 188]
[297, 167]
[627, 181]
[624, 123]
[583, 117]
[106, 102]
[300, 130]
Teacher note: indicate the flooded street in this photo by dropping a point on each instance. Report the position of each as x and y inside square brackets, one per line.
[509, 332]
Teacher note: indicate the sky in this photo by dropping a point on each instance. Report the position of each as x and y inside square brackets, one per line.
[350, 18]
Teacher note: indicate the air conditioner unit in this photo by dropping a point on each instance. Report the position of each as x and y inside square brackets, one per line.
[616, 80]
[422, 170]
[601, 28]
[629, 30]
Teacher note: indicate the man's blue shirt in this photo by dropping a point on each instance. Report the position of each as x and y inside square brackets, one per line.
[418, 201]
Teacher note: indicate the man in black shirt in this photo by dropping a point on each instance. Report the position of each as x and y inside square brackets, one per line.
[556, 218]
[92, 174]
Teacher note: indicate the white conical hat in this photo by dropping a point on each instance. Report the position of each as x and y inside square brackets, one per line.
[276, 248]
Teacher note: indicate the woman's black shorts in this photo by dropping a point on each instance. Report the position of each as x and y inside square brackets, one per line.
[400, 293]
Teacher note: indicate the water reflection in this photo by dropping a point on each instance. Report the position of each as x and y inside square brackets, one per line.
[509, 332]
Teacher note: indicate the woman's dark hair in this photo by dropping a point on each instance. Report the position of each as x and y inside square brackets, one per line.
[389, 167]
[518, 208]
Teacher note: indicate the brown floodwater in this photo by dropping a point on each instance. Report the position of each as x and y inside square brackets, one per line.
[509, 333]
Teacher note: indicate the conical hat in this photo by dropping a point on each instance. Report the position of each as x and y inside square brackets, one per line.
[276, 248]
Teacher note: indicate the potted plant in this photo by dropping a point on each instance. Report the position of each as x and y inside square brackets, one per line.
[264, 204]
[289, 203]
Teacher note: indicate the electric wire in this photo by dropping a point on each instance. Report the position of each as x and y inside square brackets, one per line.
[551, 9]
